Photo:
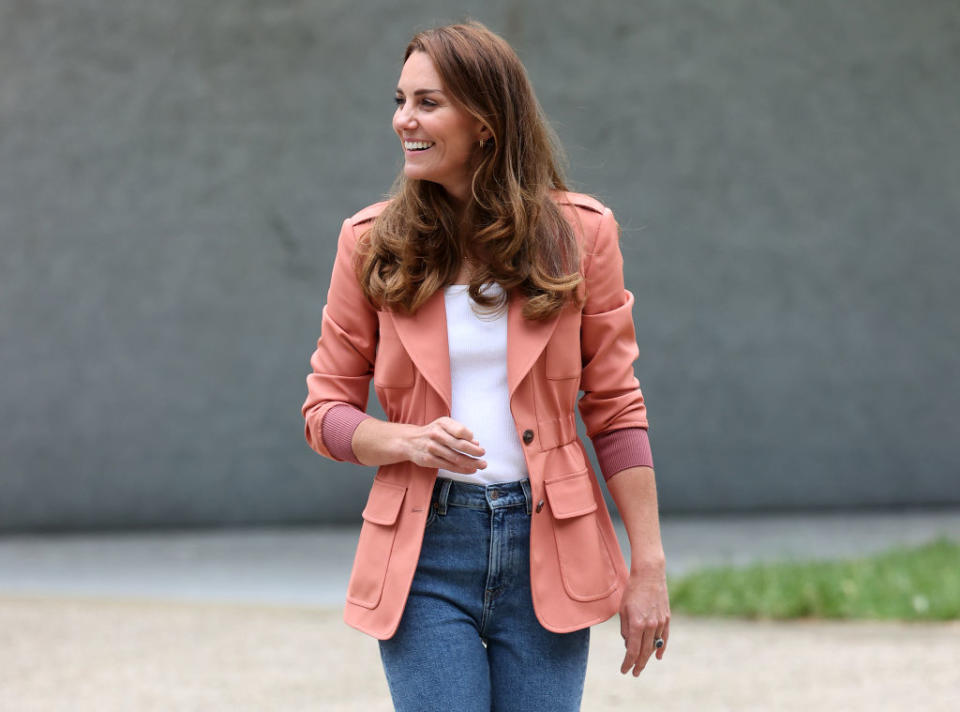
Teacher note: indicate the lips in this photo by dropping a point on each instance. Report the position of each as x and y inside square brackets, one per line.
[417, 145]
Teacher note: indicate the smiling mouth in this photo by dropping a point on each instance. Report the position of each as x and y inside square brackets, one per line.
[417, 146]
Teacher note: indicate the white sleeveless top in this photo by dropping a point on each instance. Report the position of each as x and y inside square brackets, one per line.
[478, 379]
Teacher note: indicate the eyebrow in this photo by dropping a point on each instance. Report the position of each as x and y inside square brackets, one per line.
[420, 92]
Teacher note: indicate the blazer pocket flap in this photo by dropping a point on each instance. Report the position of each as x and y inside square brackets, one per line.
[571, 496]
[383, 504]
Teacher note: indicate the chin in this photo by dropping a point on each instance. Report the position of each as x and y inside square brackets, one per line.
[415, 172]
[421, 176]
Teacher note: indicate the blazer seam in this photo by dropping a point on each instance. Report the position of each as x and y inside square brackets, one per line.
[593, 248]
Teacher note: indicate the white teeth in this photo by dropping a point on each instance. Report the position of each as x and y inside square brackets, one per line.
[417, 145]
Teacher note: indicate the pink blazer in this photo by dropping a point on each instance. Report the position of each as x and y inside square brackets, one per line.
[578, 572]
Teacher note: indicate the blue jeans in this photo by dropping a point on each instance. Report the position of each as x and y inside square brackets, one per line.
[469, 639]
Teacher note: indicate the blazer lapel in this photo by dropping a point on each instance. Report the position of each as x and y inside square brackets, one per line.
[424, 336]
[525, 340]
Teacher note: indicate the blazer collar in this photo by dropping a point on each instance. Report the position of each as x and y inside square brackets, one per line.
[424, 336]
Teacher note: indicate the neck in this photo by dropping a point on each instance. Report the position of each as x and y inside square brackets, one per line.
[459, 195]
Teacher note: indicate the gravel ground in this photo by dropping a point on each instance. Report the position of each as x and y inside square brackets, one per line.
[77, 654]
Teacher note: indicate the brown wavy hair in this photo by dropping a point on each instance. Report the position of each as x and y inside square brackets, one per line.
[517, 236]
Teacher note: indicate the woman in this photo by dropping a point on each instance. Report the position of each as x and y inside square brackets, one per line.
[481, 298]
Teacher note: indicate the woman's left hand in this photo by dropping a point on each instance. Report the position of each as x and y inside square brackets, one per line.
[644, 617]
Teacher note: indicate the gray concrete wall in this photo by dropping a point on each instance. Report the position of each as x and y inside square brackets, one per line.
[173, 175]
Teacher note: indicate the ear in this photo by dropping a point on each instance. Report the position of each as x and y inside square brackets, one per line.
[484, 133]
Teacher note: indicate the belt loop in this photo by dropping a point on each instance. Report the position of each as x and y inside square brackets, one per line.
[443, 496]
[525, 485]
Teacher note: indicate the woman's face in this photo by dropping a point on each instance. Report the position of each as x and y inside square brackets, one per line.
[438, 136]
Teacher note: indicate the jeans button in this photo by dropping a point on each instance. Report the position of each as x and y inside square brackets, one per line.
[528, 436]
[494, 494]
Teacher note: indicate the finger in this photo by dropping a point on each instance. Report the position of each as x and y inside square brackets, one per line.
[665, 634]
[451, 460]
[646, 650]
[657, 635]
[456, 429]
[460, 438]
[632, 642]
[467, 447]
[471, 464]
[467, 460]
[462, 464]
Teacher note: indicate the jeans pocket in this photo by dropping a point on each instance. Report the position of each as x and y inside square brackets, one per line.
[431, 514]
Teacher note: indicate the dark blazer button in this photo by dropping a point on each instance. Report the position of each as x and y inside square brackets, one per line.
[528, 436]
[539, 505]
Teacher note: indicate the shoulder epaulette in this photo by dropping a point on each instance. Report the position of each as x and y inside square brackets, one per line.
[368, 213]
[583, 201]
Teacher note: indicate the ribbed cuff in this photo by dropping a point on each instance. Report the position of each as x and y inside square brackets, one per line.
[619, 449]
[337, 428]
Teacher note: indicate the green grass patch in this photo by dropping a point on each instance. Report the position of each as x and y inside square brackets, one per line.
[914, 584]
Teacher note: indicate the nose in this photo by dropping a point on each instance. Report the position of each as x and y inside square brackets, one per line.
[404, 116]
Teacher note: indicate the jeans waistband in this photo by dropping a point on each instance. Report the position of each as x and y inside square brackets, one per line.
[453, 493]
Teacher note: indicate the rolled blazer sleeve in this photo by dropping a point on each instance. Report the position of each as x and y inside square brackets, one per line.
[346, 350]
[611, 399]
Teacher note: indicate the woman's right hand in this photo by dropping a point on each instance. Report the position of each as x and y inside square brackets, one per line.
[442, 443]
[436, 444]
